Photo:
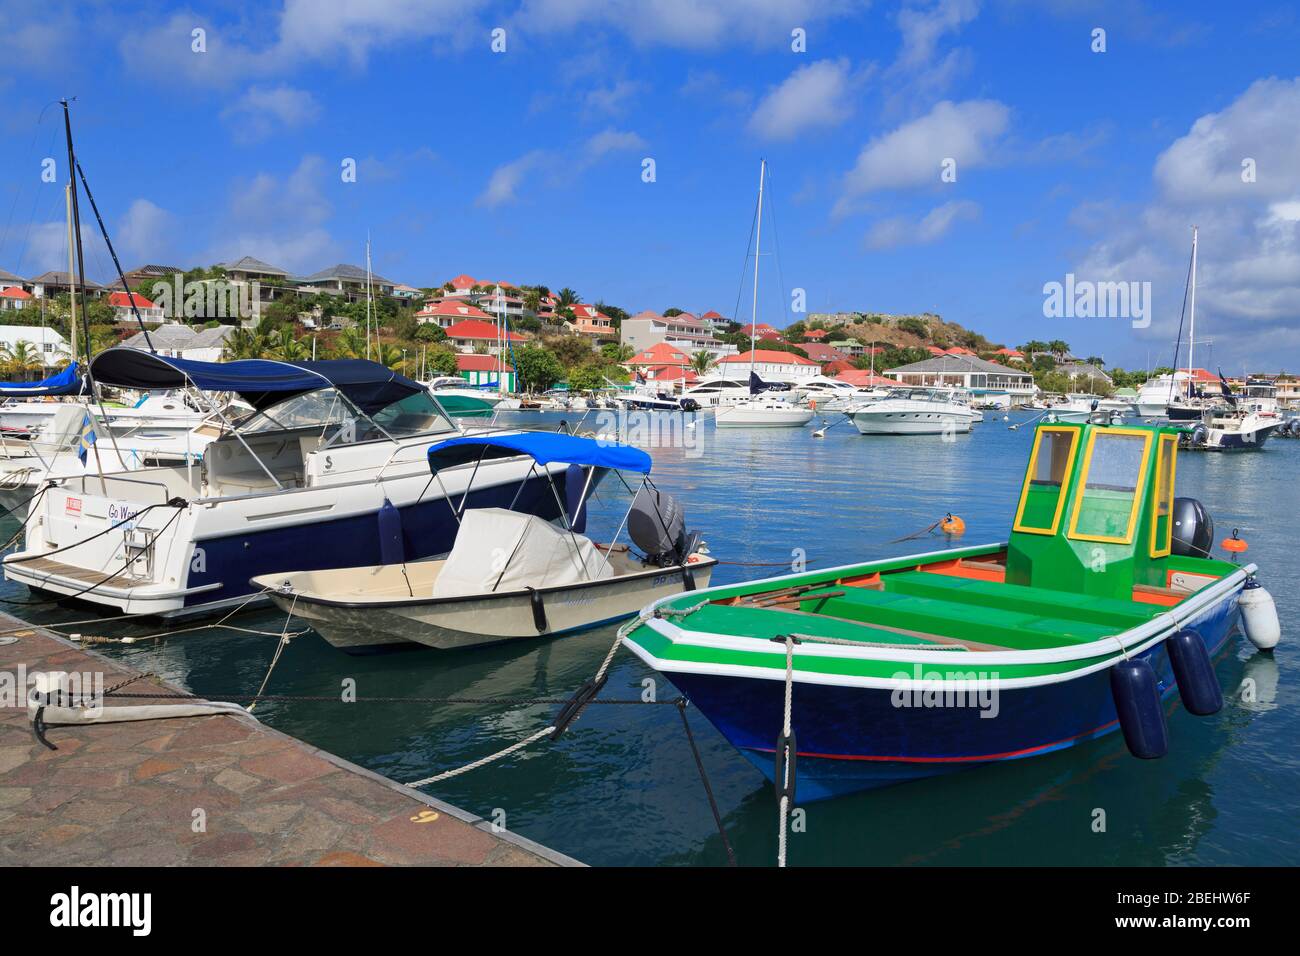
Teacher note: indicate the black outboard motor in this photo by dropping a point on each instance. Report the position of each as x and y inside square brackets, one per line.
[1193, 535]
[657, 525]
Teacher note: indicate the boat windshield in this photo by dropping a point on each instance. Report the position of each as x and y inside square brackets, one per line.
[326, 409]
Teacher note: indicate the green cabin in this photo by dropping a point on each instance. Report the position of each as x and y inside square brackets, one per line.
[1095, 514]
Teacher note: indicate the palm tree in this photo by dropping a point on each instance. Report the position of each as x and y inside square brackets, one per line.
[702, 361]
[245, 343]
[532, 300]
[351, 343]
[287, 348]
[387, 355]
[19, 359]
[569, 297]
[1058, 348]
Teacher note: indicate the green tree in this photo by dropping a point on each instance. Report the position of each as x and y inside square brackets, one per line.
[441, 361]
[430, 332]
[538, 367]
[702, 361]
[568, 297]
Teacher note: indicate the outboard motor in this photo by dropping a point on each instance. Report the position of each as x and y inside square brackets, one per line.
[1193, 535]
[657, 525]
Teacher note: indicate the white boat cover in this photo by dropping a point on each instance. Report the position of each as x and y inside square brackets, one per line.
[501, 550]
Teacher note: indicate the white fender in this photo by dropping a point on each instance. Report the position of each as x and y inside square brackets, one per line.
[1259, 617]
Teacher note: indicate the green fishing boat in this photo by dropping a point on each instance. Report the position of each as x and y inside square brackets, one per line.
[1104, 601]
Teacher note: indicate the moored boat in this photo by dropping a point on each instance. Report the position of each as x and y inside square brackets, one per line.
[1103, 602]
[509, 576]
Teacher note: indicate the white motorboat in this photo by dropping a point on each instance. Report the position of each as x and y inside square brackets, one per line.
[763, 413]
[333, 451]
[55, 453]
[453, 387]
[1081, 408]
[1157, 394]
[913, 411]
[1228, 428]
[509, 576]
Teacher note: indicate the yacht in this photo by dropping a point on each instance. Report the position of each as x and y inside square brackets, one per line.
[913, 411]
[329, 471]
[1229, 428]
[1157, 394]
[453, 386]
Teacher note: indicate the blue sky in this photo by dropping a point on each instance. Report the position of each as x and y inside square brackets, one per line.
[527, 165]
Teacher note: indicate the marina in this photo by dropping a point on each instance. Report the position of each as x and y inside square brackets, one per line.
[629, 770]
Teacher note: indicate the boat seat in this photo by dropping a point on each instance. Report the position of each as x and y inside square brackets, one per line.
[768, 623]
[999, 625]
[1111, 612]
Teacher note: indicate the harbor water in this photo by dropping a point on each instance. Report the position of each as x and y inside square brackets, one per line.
[622, 787]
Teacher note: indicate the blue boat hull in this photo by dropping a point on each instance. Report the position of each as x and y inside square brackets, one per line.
[428, 529]
[850, 739]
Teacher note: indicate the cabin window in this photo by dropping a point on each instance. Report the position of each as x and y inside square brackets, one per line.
[1162, 525]
[1110, 490]
[1043, 495]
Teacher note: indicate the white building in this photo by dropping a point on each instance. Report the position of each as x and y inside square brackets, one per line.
[47, 343]
[967, 371]
[771, 365]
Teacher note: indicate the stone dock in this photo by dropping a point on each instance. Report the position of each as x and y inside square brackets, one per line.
[222, 790]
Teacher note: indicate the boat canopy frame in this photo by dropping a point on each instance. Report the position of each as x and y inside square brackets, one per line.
[545, 448]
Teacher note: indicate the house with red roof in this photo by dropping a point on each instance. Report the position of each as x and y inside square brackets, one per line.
[761, 331]
[815, 335]
[445, 313]
[935, 350]
[659, 354]
[771, 365]
[590, 321]
[667, 374]
[14, 298]
[1011, 355]
[121, 303]
[822, 354]
[863, 378]
[475, 335]
[837, 368]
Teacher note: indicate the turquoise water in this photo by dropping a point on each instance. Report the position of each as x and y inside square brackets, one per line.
[622, 788]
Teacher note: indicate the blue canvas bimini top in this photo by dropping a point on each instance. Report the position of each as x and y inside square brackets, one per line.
[260, 382]
[542, 447]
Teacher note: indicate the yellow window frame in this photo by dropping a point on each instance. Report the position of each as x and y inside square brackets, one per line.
[1074, 434]
[1164, 549]
[1081, 486]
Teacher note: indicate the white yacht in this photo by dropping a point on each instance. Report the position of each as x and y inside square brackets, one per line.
[913, 411]
[1157, 394]
[329, 471]
[444, 386]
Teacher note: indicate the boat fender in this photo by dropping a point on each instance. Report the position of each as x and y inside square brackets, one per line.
[539, 610]
[575, 483]
[688, 578]
[1197, 684]
[1259, 616]
[787, 751]
[576, 704]
[389, 519]
[1137, 703]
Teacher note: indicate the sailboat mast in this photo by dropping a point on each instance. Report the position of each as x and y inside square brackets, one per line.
[368, 296]
[1191, 342]
[72, 291]
[758, 244]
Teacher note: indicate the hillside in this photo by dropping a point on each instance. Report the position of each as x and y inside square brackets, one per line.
[902, 331]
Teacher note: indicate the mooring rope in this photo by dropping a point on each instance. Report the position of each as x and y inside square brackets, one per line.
[704, 779]
[785, 742]
[279, 650]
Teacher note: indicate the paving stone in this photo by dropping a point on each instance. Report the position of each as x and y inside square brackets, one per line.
[234, 780]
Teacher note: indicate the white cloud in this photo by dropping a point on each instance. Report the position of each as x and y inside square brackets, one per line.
[815, 96]
[507, 178]
[1248, 288]
[689, 24]
[550, 169]
[262, 111]
[899, 231]
[920, 72]
[145, 233]
[612, 100]
[912, 154]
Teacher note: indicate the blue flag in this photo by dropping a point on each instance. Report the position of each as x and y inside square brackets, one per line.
[87, 438]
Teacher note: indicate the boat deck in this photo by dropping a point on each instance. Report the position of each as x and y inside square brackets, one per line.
[960, 604]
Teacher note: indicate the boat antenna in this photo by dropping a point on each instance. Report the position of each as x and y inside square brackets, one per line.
[130, 296]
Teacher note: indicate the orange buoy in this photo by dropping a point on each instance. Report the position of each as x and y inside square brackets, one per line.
[951, 524]
[1234, 545]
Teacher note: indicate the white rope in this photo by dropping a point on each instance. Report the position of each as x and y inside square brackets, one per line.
[785, 765]
[279, 649]
[485, 760]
